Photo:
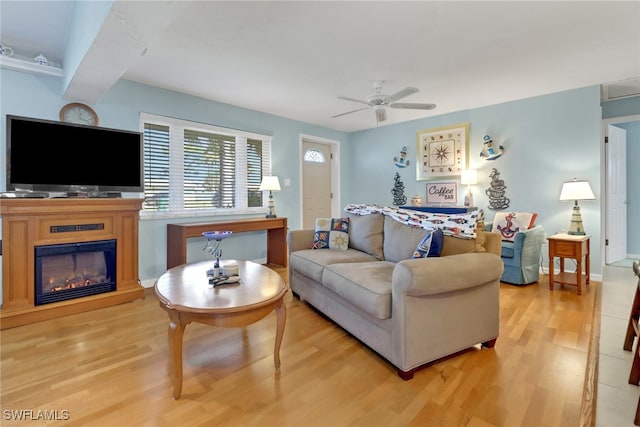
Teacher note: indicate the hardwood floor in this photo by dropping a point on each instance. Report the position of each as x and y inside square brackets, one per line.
[109, 367]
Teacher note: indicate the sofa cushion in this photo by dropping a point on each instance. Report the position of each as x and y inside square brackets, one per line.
[331, 233]
[366, 233]
[311, 262]
[509, 223]
[400, 240]
[430, 245]
[366, 285]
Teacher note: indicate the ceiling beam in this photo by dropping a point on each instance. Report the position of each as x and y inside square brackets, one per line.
[124, 36]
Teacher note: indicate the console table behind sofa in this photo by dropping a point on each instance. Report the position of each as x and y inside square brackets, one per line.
[442, 209]
[177, 235]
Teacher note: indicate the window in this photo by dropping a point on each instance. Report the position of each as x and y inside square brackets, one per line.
[313, 155]
[193, 168]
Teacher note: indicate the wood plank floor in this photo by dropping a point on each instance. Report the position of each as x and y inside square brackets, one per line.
[109, 367]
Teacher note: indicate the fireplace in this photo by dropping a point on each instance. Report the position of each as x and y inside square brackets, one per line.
[74, 270]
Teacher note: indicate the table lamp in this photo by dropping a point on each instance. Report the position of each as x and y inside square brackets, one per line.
[270, 183]
[576, 190]
[469, 177]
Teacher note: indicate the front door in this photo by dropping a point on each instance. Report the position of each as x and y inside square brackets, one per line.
[316, 182]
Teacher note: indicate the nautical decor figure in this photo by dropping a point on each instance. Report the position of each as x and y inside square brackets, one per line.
[402, 161]
[489, 151]
[398, 191]
[497, 199]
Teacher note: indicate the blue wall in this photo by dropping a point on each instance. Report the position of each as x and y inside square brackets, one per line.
[547, 140]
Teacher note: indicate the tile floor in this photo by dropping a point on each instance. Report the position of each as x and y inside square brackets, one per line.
[617, 399]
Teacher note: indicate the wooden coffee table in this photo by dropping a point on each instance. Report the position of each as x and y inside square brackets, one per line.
[184, 293]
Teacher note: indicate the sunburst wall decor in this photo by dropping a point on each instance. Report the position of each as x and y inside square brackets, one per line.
[442, 152]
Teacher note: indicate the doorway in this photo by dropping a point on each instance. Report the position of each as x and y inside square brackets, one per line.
[319, 187]
[614, 207]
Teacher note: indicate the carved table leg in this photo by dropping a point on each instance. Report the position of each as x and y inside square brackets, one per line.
[176, 332]
[281, 313]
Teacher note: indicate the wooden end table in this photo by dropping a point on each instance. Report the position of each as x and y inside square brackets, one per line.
[184, 293]
[569, 246]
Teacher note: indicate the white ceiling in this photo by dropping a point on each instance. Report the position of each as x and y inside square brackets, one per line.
[294, 58]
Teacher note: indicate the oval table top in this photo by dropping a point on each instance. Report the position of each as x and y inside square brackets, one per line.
[186, 288]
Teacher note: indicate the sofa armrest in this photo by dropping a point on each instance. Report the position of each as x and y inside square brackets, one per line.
[299, 239]
[527, 245]
[533, 235]
[436, 275]
[493, 242]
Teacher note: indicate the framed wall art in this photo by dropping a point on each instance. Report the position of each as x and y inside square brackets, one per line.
[442, 152]
[442, 193]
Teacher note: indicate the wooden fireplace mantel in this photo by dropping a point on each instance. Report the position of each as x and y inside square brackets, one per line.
[27, 223]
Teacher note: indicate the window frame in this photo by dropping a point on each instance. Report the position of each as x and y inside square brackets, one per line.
[242, 139]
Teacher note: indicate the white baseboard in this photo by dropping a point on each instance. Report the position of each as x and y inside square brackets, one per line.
[148, 283]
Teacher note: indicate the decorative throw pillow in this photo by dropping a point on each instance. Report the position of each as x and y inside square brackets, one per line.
[509, 223]
[431, 245]
[331, 233]
[366, 233]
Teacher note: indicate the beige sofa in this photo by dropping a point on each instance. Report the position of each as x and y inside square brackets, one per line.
[410, 311]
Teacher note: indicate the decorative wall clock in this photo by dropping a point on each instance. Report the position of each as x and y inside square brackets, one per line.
[442, 152]
[76, 112]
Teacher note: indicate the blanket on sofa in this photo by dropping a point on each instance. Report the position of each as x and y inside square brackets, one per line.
[458, 225]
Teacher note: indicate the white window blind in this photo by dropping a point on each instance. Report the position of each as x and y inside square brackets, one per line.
[194, 168]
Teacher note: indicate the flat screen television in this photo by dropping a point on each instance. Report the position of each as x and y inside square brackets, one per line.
[50, 156]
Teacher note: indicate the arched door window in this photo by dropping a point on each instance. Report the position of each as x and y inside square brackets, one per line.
[314, 156]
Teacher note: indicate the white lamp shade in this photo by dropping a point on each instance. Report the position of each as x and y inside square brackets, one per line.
[270, 183]
[469, 177]
[576, 190]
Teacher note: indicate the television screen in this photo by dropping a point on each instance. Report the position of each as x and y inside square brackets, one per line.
[45, 155]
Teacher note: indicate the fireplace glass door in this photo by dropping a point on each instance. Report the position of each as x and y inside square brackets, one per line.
[67, 271]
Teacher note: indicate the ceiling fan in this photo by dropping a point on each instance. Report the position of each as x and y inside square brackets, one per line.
[379, 100]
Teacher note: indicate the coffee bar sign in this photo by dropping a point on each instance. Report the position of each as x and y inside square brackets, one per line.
[442, 192]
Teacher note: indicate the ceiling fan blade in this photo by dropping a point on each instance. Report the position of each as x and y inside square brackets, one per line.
[413, 105]
[346, 98]
[349, 112]
[400, 94]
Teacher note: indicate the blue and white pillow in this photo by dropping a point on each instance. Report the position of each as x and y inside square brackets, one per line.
[430, 245]
[331, 233]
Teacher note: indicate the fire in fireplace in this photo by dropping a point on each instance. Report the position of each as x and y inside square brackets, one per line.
[74, 270]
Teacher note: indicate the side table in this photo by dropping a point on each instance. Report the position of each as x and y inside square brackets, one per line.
[569, 246]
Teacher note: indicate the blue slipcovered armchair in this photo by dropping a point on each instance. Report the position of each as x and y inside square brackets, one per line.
[521, 257]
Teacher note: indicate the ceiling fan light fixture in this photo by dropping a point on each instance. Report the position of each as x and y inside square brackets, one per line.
[381, 113]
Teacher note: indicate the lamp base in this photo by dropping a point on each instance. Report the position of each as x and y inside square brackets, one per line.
[468, 198]
[272, 207]
[576, 228]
